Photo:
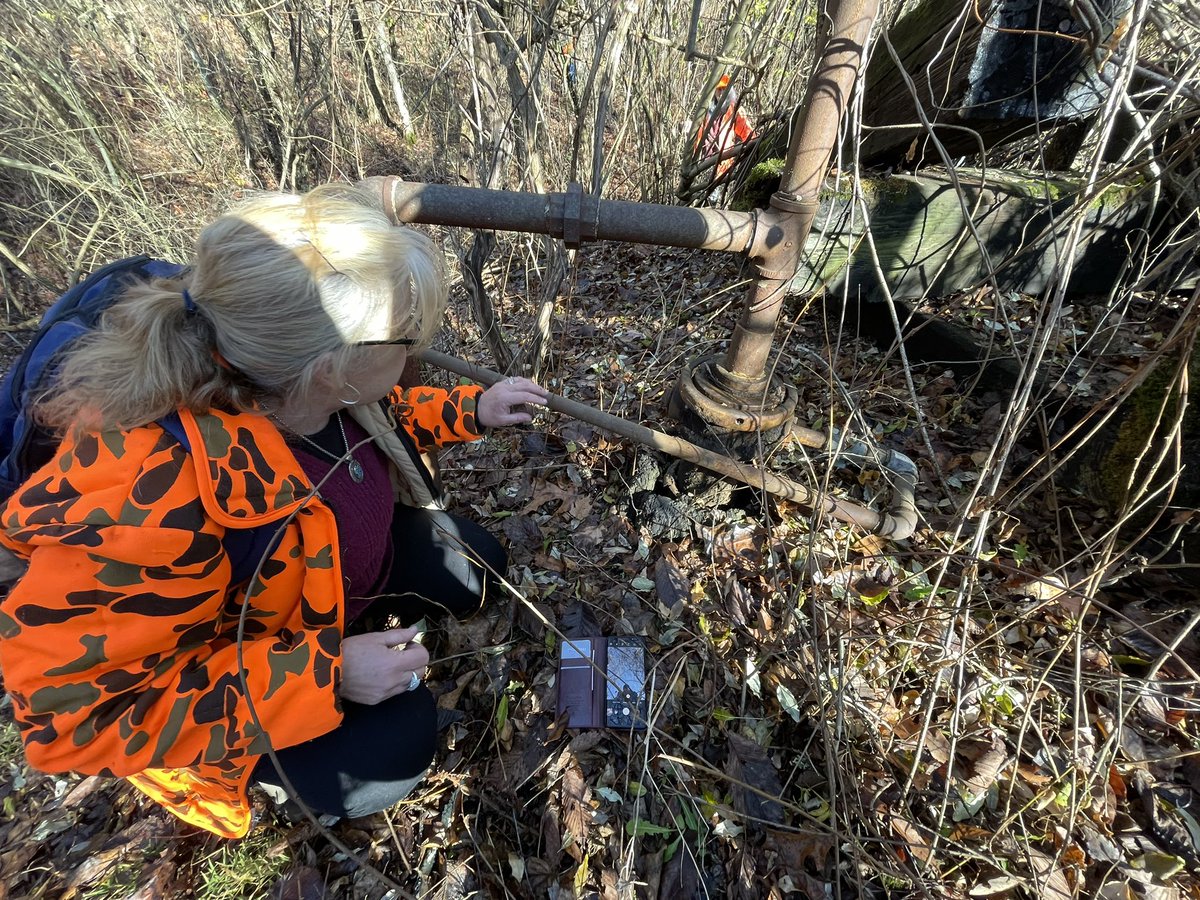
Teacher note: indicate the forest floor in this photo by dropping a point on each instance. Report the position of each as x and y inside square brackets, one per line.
[832, 715]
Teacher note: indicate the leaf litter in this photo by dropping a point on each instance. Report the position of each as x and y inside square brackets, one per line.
[831, 714]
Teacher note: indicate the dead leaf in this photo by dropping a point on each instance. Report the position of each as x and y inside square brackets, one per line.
[1034, 775]
[1099, 847]
[578, 622]
[988, 766]
[83, 790]
[608, 885]
[549, 563]
[1050, 882]
[870, 545]
[457, 881]
[576, 797]
[1117, 783]
[546, 492]
[800, 850]
[551, 836]
[649, 869]
[1151, 891]
[576, 432]
[532, 616]
[738, 543]
[301, 883]
[1001, 884]
[449, 699]
[672, 585]
[935, 744]
[911, 835]
[964, 831]
[681, 879]
[585, 741]
[522, 531]
[1042, 588]
[741, 603]
[748, 885]
[748, 763]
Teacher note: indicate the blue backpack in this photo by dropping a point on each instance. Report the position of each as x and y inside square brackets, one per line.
[25, 446]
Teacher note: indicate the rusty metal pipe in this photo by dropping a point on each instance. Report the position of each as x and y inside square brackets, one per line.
[741, 380]
[841, 510]
[783, 230]
[571, 215]
[827, 97]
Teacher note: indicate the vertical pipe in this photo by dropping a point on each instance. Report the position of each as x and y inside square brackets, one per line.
[827, 97]
[782, 231]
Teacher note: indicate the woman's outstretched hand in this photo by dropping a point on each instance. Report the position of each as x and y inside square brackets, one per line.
[381, 664]
[504, 402]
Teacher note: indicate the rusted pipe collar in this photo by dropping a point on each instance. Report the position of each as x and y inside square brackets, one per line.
[793, 204]
[580, 215]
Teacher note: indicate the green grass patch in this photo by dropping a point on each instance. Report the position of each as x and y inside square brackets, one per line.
[242, 870]
[11, 751]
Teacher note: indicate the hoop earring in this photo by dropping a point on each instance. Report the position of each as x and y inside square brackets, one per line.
[357, 395]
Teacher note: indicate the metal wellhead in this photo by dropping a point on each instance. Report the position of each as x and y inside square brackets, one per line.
[733, 392]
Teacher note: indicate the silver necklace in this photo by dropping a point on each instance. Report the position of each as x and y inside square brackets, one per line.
[353, 466]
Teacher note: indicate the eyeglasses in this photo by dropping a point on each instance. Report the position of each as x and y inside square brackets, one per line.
[394, 342]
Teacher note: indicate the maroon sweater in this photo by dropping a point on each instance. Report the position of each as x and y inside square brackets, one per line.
[363, 511]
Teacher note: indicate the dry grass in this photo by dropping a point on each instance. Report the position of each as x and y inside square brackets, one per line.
[969, 711]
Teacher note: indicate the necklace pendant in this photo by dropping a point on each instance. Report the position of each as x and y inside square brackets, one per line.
[354, 467]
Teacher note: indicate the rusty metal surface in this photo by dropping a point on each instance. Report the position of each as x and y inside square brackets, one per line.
[572, 215]
[779, 240]
[704, 388]
[753, 476]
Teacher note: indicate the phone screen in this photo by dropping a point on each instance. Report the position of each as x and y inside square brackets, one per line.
[625, 706]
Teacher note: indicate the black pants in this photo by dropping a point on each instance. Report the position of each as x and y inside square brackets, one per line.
[378, 754]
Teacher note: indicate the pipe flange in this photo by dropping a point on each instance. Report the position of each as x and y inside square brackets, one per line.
[723, 400]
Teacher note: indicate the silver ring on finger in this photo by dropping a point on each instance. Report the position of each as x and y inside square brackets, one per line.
[415, 682]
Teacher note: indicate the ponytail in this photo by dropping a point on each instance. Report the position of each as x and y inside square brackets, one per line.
[149, 357]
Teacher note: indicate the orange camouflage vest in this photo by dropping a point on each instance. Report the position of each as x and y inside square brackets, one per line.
[119, 644]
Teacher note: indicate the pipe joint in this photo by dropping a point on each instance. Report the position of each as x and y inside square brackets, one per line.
[778, 243]
[579, 217]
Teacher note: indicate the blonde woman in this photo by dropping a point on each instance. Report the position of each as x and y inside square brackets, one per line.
[278, 351]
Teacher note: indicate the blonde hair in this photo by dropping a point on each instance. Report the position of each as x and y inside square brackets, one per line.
[280, 284]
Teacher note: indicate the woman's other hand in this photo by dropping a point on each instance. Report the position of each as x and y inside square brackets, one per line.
[380, 664]
[504, 402]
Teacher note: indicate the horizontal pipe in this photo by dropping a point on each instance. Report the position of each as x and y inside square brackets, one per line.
[572, 215]
[841, 510]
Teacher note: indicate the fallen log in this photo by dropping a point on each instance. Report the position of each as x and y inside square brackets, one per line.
[933, 236]
[916, 237]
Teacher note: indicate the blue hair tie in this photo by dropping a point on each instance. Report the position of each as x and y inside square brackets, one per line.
[188, 303]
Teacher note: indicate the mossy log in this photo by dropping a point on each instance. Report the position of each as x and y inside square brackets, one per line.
[933, 237]
[988, 70]
[1117, 457]
[1121, 458]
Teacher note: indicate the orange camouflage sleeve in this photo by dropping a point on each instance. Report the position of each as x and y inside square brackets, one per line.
[434, 417]
[118, 646]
